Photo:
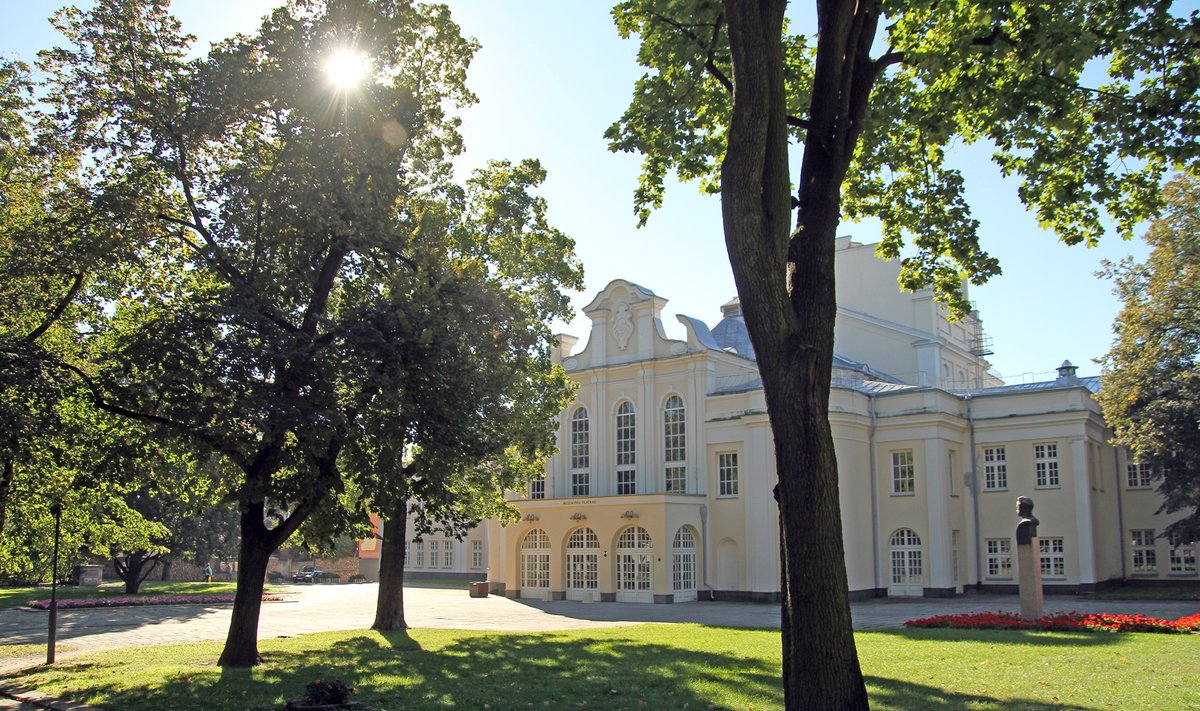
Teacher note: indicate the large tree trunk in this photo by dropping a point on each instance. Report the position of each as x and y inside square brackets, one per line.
[241, 644]
[7, 474]
[389, 606]
[786, 286]
[132, 570]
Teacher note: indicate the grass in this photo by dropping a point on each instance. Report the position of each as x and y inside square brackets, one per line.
[451, 583]
[16, 597]
[32, 650]
[1171, 592]
[644, 667]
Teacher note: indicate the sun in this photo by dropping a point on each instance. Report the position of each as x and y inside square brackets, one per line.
[345, 68]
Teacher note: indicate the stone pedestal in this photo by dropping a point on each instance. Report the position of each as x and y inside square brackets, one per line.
[1029, 578]
[479, 589]
[90, 576]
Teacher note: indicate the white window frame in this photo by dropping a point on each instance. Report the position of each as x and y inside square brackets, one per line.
[999, 558]
[683, 560]
[626, 448]
[1182, 557]
[535, 560]
[904, 473]
[448, 557]
[583, 560]
[581, 458]
[434, 555]
[1144, 548]
[476, 555]
[1052, 557]
[728, 475]
[537, 487]
[995, 468]
[419, 555]
[1138, 474]
[675, 445]
[1045, 466]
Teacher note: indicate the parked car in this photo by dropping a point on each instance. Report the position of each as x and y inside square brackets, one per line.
[306, 574]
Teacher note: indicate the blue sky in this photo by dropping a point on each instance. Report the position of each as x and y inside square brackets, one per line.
[553, 74]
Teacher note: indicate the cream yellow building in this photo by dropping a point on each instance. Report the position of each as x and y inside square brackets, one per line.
[661, 488]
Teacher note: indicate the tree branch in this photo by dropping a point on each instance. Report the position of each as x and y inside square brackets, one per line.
[58, 310]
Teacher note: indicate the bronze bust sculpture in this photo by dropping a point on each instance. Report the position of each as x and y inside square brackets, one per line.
[1027, 528]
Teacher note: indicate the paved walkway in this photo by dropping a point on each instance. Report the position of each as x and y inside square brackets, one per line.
[323, 608]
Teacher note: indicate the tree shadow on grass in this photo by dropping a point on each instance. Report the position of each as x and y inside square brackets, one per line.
[890, 694]
[1035, 637]
[392, 671]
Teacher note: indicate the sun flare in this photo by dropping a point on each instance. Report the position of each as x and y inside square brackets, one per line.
[346, 68]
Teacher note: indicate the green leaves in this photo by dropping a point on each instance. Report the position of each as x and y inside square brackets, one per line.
[1088, 105]
[1151, 375]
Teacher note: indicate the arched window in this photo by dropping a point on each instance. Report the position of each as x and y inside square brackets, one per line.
[626, 449]
[675, 444]
[906, 564]
[635, 556]
[581, 478]
[583, 563]
[535, 560]
[683, 564]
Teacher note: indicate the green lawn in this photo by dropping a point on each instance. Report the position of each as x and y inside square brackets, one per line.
[1168, 592]
[644, 667]
[16, 597]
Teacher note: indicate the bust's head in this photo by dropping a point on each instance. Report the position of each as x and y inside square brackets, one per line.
[1024, 506]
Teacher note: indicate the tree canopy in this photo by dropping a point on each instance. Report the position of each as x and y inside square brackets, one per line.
[1150, 388]
[1086, 104]
[280, 232]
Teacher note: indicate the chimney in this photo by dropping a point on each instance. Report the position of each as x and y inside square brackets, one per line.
[564, 346]
[1066, 373]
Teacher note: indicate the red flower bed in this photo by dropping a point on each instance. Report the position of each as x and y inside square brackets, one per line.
[74, 604]
[1060, 622]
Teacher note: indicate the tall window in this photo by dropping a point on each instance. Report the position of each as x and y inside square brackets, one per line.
[626, 449]
[583, 560]
[995, 469]
[727, 474]
[675, 444]
[1183, 556]
[448, 559]
[999, 558]
[1145, 559]
[476, 554]
[535, 560]
[537, 487]
[580, 454]
[419, 555]
[683, 561]
[1045, 465]
[634, 561]
[1054, 557]
[904, 477]
[1138, 474]
[433, 554]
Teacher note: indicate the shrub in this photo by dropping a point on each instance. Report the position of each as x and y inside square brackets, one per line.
[356, 578]
[326, 577]
[327, 692]
[274, 577]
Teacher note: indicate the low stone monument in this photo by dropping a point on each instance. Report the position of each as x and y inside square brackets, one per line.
[1029, 564]
[90, 576]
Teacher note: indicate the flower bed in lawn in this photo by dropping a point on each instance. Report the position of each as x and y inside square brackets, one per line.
[1060, 622]
[72, 604]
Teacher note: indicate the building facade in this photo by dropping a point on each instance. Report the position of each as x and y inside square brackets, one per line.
[661, 487]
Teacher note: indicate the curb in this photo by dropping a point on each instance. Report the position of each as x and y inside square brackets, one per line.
[40, 700]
